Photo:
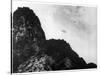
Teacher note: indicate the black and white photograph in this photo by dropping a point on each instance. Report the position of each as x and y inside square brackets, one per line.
[52, 37]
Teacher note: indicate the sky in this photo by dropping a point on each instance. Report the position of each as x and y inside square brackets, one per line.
[77, 25]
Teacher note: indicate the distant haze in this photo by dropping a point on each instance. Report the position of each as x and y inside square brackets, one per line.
[75, 24]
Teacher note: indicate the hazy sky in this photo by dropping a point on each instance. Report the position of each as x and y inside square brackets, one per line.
[75, 24]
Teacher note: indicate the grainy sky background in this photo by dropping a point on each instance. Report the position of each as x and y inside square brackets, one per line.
[75, 24]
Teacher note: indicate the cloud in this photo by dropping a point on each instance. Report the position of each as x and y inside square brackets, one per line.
[72, 18]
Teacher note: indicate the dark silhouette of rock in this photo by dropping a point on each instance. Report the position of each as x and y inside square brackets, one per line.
[32, 52]
[91, 65]
[57, 55]
[27, 26]
[62, 53]
[27, 35]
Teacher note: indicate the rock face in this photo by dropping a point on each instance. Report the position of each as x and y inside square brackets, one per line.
[27, 35]
[32, 52]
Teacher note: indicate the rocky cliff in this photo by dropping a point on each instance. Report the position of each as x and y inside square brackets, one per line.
[32, 52]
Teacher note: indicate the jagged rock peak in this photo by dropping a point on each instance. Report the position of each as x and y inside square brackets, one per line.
[27, 25]
[27, 35]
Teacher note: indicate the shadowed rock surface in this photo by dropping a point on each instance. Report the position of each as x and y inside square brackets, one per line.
[32, 52]
[27, 35]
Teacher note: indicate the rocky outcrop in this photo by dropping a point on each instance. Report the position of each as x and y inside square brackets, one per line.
[32, 52]
[27, 35]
